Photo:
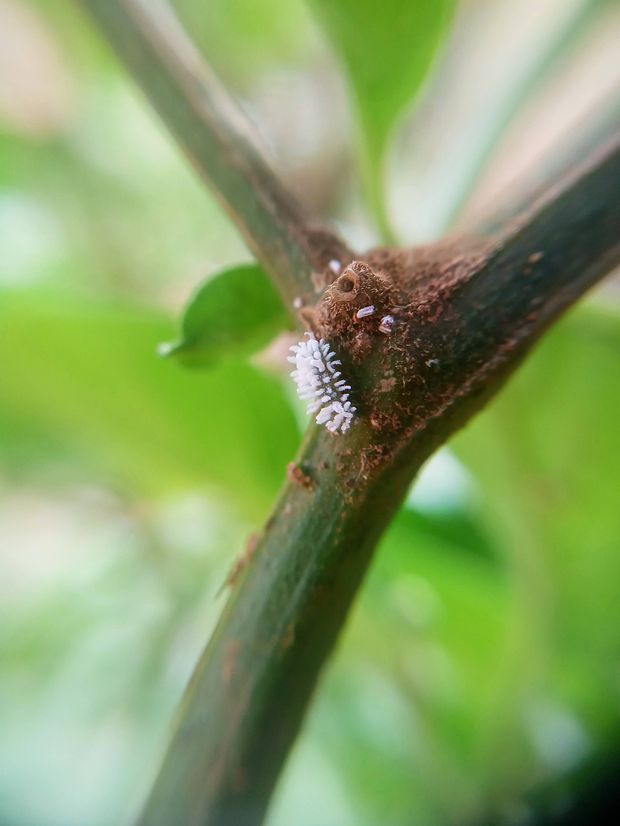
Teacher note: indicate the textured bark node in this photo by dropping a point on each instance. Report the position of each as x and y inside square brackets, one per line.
[382, 316]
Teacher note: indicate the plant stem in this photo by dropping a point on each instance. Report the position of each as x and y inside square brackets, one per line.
[249, 692]
[215, 135]
[541, 262]
[245, 703]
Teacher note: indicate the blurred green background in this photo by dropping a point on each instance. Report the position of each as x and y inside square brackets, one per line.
[479, 677]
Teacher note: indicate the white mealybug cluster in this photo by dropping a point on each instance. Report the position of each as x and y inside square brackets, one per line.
[320, 383]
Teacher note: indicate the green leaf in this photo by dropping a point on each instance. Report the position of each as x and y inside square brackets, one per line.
[87, 376]
[246, 38]
[233, 314]
[387, 49]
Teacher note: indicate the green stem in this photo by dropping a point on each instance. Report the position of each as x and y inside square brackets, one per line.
[214, 133]
[245, 703]
[373, 175]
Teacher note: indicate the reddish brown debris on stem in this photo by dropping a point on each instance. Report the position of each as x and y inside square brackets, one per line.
[231, 658]
[296, 475]
[241, 562]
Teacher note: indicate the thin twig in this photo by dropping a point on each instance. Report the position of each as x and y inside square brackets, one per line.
[216, 136]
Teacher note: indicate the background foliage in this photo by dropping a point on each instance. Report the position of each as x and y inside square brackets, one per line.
[479, 674]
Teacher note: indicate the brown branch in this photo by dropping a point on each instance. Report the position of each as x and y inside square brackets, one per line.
[215, 135]
[536, 266]
[464, 315]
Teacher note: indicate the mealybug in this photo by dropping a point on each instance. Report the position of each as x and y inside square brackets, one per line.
[321, 384]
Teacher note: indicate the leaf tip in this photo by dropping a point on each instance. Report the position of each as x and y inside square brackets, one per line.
[165, 349]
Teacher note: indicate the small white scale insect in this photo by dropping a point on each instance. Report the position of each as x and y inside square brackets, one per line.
[365, 311]
[321, 384]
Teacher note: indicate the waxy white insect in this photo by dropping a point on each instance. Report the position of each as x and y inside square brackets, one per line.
[387, 322]
[320, 383]
[365, 311]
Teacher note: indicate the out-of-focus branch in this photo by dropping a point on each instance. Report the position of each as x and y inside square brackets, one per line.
[598, 129]
[215, 135]
[563, 38]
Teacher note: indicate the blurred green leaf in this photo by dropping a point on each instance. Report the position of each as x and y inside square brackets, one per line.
[387, 49]
[245, 37]
[546, 455]
[88, 375]
[233, 314]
